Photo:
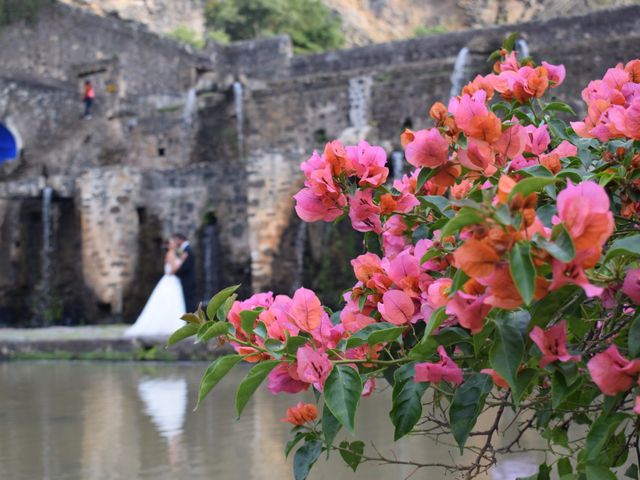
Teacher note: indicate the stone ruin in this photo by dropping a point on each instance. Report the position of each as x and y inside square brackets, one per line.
[207, 142]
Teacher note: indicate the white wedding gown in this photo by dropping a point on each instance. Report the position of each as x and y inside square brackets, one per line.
[161, 315]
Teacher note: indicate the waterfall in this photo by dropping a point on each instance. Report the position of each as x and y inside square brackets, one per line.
[210, 261]
[238, 91]
[47, 250]
[300, 243]
[189, 106]
[522, 49]
[359, 100]
[397, 165]
[460, 72]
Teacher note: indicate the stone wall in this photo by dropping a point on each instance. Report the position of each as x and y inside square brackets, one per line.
[173, 145]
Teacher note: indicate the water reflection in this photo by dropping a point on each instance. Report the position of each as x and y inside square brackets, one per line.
[101, 421]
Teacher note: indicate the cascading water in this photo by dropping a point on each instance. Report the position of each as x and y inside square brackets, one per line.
[210, 261]
[238, 101]
[460, 72]
[189, 106]
[44, 287]
[359, 100]
[397, 165]
[299, 248]
[522, 49]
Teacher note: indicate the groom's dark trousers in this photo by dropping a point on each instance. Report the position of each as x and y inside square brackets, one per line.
[187, 275]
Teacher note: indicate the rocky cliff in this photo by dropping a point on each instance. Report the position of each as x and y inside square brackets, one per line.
[366, 21]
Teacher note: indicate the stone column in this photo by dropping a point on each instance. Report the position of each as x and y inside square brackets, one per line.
[108, 198]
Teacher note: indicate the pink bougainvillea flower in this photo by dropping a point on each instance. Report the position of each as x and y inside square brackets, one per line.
[552, 342]
[512, 142]
[369, 387]
[611, 372]
[474, 118]
[403, 269]
[364, 214]
[636, 406]
[313, 208]
[328, 335]
[369, 163]
[313, 367]
[631, 285]
[498, 380]
[478, 156]
[438, 292]
[584, 209]
[305, 310]
[353, 319]
[446, 369]
[557, 73]
[284, 378]
[301, 414]
[426, 148]
[572, 273]
[470, 310]
[397, 307]
[539, 139]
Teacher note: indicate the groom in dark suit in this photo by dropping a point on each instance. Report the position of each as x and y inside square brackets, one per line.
[187, 273]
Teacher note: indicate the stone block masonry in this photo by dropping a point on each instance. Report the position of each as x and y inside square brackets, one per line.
[173, 144]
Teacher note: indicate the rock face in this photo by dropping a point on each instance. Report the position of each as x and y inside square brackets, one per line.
[182, 140]
[161, 16]
[365, 21]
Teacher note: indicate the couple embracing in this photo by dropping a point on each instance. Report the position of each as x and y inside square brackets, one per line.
[175, 293]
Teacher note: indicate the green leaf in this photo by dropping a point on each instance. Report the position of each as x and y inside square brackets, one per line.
[190, 318]
[522, 270]
[216, 372]
[564, 467]
[424, 175]
[330, 425]
[458, 281]
[186, 331]
[375, 333]
[248, 319]
[600, 433]
[342, 394]
[558, 107]
[427, 346]
[293, 343]
[351, 453]
[624, 246]
[633, 340]
[544, 310]
[508, 350]
[439, 203]
[632, 472]
[599, 472]
[466, 216]
[560, 391]
[305, 457]
[530, 185]
[560, 247]
[223, 311]
[467, 404]
[525, 377]
[252, 381]
[215, 330]
[293, 442]
[407, 400]
[218, 300]
[510, 41]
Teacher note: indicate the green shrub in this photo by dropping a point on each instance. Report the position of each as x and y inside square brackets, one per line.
[310, 24]
[14, 10]
[186, 35]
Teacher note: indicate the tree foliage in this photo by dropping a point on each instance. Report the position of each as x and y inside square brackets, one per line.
[310, 24]
[14, 10]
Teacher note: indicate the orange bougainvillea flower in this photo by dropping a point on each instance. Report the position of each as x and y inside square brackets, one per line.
[505, 185]
[446, 175]
[476, 258]
[301, 414]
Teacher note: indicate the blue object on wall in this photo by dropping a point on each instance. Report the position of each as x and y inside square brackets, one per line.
[8, 145]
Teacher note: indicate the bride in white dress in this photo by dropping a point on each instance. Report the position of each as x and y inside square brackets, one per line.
[162, 312]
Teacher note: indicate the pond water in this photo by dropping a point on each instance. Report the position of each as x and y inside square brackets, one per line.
[108, 421]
